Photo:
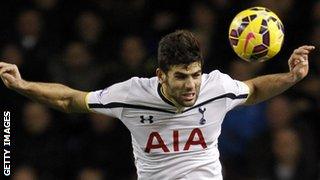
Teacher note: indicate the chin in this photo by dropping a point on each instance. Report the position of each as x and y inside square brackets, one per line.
[188, 103]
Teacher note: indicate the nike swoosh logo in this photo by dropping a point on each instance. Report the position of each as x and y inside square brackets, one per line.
[250, 36]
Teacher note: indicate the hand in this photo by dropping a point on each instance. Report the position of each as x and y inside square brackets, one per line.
[10, 75]
[298, 62]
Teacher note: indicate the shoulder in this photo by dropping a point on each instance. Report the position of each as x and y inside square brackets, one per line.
[133, 88]
[217, 81]
[212, 84]
[132, 84]
[215, 77]
[111, 100]
[217, 85]
[137, 82]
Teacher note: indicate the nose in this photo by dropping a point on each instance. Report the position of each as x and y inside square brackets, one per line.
[190, 84]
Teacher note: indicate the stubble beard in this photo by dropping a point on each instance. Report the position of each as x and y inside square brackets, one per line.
[178, 99]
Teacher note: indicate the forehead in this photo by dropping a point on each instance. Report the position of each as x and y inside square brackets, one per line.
[187, 69]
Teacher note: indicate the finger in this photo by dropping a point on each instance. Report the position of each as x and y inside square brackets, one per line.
[7, 79]
[301, 51]
[2, 64]
[6, 69]
[295, 63]
[302, 59]
[2, 78]
[305, 57]
[304, 50]
[295, 60]
[307, 47]
[300, 62]
[295, 57]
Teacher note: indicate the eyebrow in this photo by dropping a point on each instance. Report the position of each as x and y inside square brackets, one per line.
[181, 73]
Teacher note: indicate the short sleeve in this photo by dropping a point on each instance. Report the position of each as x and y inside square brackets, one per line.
[108, 101]
[237, 91]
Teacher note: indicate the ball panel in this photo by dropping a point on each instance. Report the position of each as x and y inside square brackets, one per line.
[266, 38]
[264, 23]
[234, 33]
[256, 34]
[263, 29]
[259, 48]
[234, 42]
[245, 19]
[252, 17]
[259, 56]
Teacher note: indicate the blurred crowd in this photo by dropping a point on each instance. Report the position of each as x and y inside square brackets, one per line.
[89, 45]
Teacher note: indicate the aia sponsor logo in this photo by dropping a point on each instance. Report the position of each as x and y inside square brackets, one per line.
[155, 141]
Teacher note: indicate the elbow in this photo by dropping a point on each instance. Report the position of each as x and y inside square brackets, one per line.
[74, 103]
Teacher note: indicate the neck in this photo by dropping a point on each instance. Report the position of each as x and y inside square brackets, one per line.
[169, 98]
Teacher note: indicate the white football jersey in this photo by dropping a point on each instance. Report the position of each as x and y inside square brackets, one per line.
[169, 145]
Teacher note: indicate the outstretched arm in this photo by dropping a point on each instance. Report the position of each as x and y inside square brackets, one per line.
[268, 86]
[57, 96]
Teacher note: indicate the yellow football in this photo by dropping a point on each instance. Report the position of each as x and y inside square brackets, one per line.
[256, 34]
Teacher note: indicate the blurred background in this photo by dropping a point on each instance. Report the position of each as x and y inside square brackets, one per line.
[89, 45]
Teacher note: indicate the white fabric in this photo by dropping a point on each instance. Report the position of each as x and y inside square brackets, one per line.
[174, 159]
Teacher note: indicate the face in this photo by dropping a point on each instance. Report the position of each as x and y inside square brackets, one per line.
[181, 84]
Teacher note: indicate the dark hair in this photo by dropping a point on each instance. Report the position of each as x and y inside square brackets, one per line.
[179, 47]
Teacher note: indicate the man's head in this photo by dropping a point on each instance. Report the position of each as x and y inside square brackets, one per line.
[180, 67]
[178, 48]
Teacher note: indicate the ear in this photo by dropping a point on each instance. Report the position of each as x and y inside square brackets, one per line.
[161, 75]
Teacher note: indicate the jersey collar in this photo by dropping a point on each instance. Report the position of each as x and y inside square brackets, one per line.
[165, 99]
[162, 96]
